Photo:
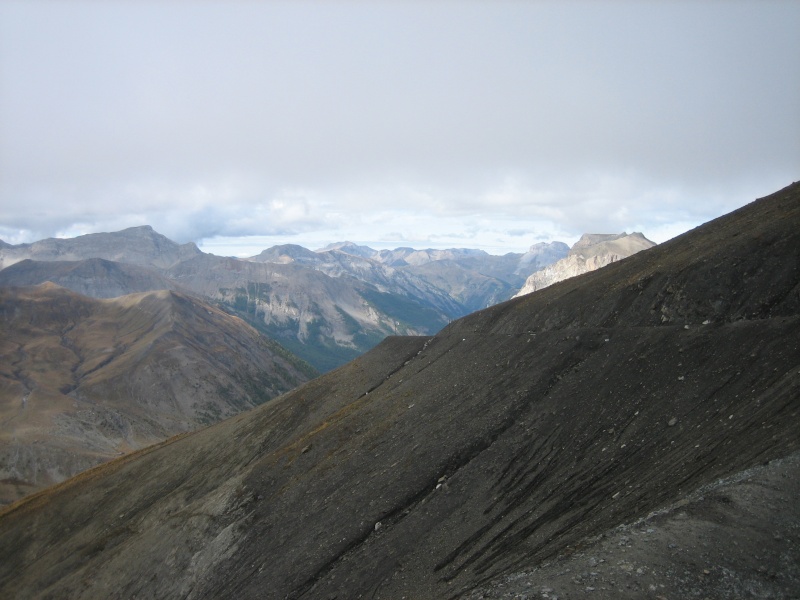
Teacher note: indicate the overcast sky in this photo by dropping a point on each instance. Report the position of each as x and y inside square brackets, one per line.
[488, 124]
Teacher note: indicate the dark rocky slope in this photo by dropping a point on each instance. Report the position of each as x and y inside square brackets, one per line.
[735, 538]
[438, 467]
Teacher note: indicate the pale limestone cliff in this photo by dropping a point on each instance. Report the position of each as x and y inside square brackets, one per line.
[592, 251]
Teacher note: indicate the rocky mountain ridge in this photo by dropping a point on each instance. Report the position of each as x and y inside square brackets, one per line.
[84, 380]
[140, 246]
[498, 451]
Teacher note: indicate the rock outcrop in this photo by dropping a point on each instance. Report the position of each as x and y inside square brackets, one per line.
[540, 255]
[592, 251]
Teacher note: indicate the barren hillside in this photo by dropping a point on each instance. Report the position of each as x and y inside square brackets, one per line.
[84, 380]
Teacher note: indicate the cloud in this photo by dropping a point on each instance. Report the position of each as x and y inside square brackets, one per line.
[432, 123]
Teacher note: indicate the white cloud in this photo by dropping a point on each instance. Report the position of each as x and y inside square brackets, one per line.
[428, 123]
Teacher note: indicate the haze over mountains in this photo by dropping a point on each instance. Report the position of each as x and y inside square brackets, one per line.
[634, 421]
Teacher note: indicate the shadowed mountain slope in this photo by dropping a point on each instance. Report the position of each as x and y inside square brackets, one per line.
[434, 467]
[84, 380]
[94, 277]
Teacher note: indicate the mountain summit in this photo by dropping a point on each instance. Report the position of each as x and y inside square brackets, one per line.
[658, 396]
[136, 245]
[592, 251]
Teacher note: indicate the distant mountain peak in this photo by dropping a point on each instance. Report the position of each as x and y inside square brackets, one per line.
[539, 246]
[350, 248]
[285, 253]
[590, 252]
[140, 245]
[49, 286]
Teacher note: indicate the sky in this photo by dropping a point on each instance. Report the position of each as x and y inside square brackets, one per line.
[496, 124]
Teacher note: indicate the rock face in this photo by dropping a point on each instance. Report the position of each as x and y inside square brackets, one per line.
[83, 380]
[324, 319]
[512, 441]
[592, 251]
[541, 255]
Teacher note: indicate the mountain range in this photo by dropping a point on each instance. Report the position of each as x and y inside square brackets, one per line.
[327, 306]
[631, 432]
